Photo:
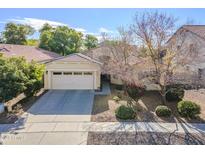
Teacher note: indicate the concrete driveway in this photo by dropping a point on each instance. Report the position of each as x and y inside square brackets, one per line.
[58, 117]
[62, 106]
[53, 112]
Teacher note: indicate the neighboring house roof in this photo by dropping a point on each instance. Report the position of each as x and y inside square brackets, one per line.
[104, 51]
[28, 52]
[198, 33]
[198, 30]
[97, 52]
[76, 57]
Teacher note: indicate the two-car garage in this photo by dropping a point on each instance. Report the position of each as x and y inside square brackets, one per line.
[75, 71]
[72, 80]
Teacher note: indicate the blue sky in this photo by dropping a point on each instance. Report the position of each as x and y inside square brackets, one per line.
[93, 21]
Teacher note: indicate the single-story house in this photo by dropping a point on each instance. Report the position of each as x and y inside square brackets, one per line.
[75, 71]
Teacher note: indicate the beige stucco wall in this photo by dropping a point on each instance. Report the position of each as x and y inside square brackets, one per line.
[71, 66]
[45, 80]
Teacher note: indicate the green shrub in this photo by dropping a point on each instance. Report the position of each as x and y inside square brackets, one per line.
[163, 111]
[188, 109]
[19, 76]
[175, 93]
[35, 81]
[134, 91]
[124, 112]
[116, 98]
[12, 77]
[33, 86]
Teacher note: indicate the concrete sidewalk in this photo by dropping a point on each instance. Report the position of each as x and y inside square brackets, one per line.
[102, 127]
[77, 132]
[44, 138]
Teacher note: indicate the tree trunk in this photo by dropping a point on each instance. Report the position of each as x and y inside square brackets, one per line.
[125, 88]
[163, 94]
[164, 99]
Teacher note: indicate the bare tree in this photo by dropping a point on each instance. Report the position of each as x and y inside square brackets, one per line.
[153, 31]
[120, 63]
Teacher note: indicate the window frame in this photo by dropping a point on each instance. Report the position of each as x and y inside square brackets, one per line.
[57, 73]
[77, 73]
[88, 73]
[67, 73]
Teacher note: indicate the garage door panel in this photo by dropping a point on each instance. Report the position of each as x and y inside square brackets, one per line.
[68, 81]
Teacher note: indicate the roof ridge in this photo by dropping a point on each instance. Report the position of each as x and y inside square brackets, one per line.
[193, 25]
[78, 54]
[194, 32]
[88, 58]
[186, 27]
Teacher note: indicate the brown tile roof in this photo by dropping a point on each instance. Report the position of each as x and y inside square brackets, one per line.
[29, 52]
[196, 29]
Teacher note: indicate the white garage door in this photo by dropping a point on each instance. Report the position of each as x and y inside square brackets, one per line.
[72, 80]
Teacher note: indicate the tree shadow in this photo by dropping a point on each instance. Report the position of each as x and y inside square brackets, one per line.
[146, 106]
[139, 138]
[190, 138]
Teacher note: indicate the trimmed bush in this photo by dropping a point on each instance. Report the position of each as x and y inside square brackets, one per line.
[134, 91]
[116, 98]
[175, 93]
[125, 112]
[163, 111]
[188, 109]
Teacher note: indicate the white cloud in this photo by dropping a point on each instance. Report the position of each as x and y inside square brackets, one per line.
[80, 29]
[104, 30]
[37, 23]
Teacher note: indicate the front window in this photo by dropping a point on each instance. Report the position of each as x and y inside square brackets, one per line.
[67, 73]
[57, 73]
[77, 73]
[88, 73]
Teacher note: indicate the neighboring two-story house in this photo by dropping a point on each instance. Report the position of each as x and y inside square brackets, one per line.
[189, 35]
[192, 35]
